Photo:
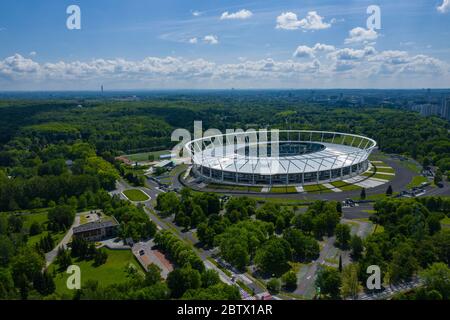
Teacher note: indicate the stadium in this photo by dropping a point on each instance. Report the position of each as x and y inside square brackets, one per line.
[279, 157]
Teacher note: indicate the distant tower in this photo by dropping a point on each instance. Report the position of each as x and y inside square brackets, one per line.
[102, 89]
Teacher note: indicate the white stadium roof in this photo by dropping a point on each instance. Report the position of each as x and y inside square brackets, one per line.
[333, 156]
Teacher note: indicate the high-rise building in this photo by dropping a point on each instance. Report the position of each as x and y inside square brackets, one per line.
[445, 109]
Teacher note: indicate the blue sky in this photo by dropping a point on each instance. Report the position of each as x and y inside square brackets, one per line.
[143, 44]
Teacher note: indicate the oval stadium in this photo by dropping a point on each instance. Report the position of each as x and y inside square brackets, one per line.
[279, 157]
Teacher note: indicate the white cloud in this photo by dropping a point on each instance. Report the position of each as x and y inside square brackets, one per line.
[310, 52]
[242, 14]
[304, 52]
[33, 53]
[444, 7]
[347, 54]
[359, 34]
[196, 13]
[193, 40]
[312, 21]
[211, 39]
[344, 66]
[323, 47]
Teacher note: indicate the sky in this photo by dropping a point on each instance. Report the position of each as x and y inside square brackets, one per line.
[220, 44]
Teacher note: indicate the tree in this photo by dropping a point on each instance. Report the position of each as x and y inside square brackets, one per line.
[436, 277]
[183, 279]
[403, 263]
[7, 250]
[356, 247]
[80, 248]
[153, 275]
[289, 280]
[304, 248]
[389, 191]
[100, 257]
[340, 263]
[350, 284]
[7, 290]
[167, 203]
[35, 228]
[25, 266]
[329, 281]
[342, 236]
[63, 258]
[43, 283]
[363, 194]
[210, 278]
[274, 285]
[438, 177]
[61, 217]
[273, 256]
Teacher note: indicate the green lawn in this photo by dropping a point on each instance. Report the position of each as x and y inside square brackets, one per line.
[38, 215]
[288, 189]
[57, 237]
[446, 222]
[135, 195]
[345, 186]
[113, 271]
[316, 188]
[378, 176]
[417, 181]
[388, 170]
[235, 188]
[144, 156]
[378, 229]
[410, 165]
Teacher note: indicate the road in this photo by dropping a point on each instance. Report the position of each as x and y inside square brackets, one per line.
[403, 177]
[391, 291]
[188, 237]
[51, 256]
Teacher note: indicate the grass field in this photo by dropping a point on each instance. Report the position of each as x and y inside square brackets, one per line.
[113, 271]
[40, 216]
[235, 188]
[144, 156]
[446, 222]
[135, 195]
[283, 189]
[57, 237]
[37, 215]
[417, 181]
[345, 186]
[411, 165]
[316, 188]
[378, 176]
[378, 228]
[388, 170]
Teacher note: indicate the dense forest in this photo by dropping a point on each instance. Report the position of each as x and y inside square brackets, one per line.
[60, 155]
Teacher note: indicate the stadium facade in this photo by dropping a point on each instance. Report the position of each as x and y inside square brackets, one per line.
[279, 157]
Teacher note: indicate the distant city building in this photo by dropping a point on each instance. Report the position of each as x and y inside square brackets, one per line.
[105, 227]
[445, 112]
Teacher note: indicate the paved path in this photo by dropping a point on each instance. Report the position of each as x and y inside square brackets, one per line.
[51, 256]
[306, 280]
[399, 182]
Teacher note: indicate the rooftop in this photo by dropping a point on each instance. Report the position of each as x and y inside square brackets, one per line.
[103, 222]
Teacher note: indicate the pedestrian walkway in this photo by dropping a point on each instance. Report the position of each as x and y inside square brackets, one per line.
[331, 187]
[265, 190]
[300, 189]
